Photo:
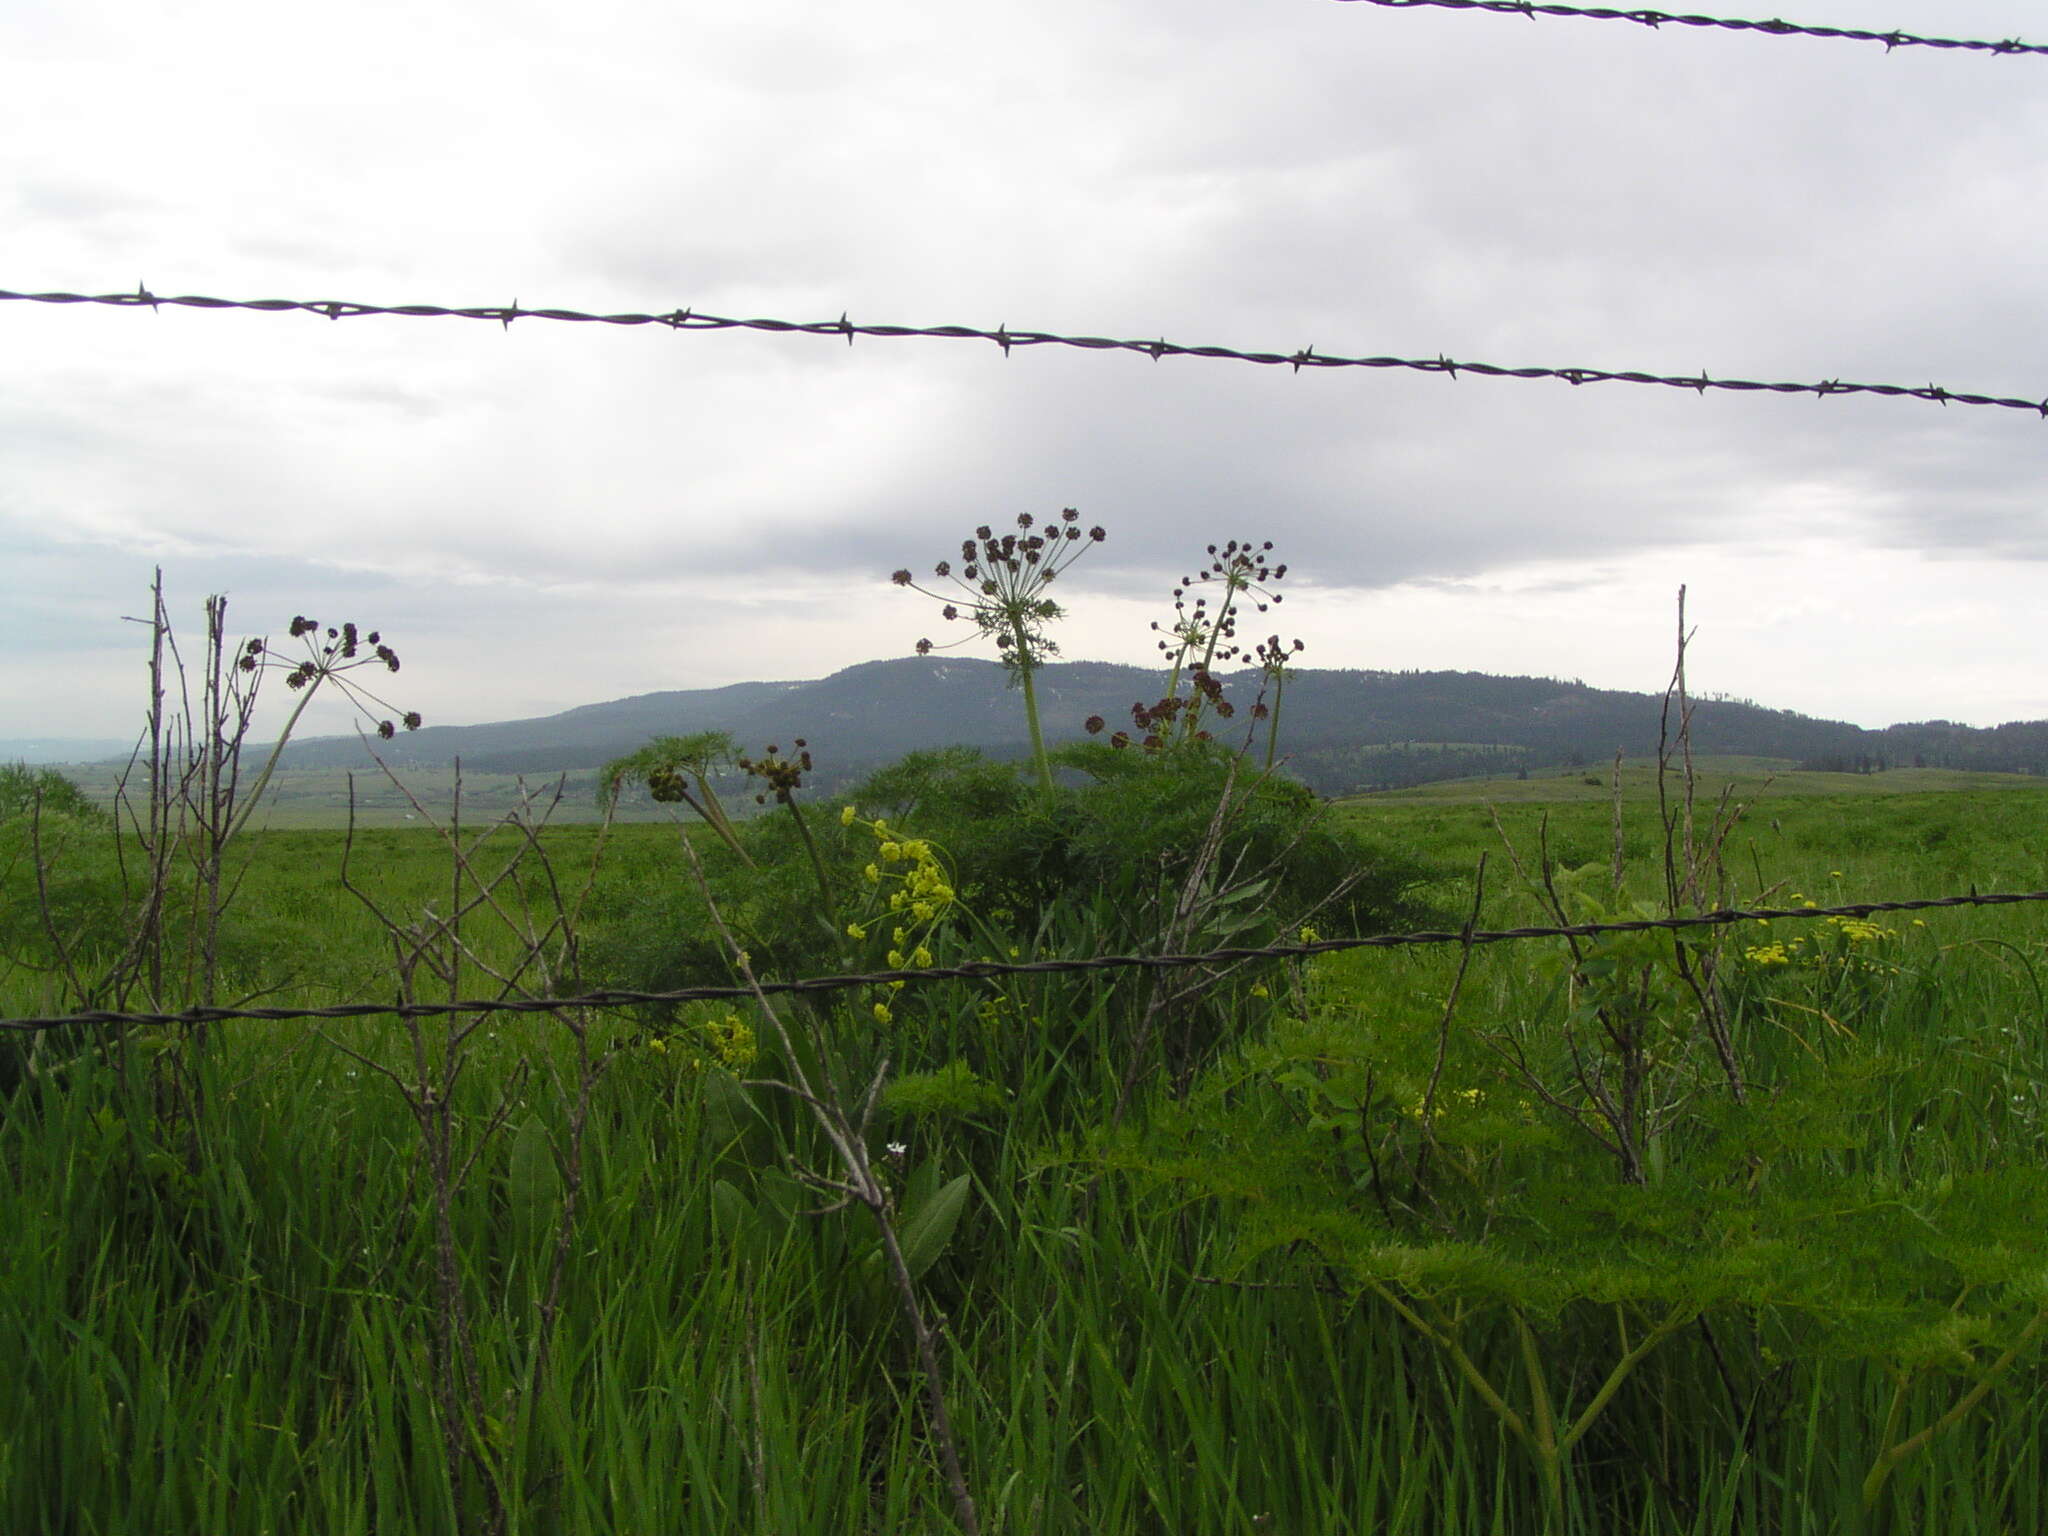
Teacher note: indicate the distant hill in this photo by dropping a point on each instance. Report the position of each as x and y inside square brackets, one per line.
[1342, 731]
[61, 749]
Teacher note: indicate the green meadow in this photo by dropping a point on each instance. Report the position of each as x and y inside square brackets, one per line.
[1339, 1244]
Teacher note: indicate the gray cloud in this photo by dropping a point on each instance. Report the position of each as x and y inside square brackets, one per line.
[592, 501]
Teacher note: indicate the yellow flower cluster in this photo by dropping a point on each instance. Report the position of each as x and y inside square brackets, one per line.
[1450, 1099]
[729, 1038]
[909, 891]
[921, 889]
[1813, 950]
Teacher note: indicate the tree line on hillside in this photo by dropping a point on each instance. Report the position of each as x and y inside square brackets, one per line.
[2020, 747]
[1346, 730]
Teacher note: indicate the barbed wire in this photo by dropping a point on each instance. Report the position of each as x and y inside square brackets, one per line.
[1654, 19]
[983, 969]
[1008, 339]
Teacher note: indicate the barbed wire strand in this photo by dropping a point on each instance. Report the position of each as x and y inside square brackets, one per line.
[1655, 19]
[983, 969]
[1008, 339]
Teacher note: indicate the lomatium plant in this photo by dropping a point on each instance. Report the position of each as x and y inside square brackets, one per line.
[1003, 579]
[326, 661]
[1199, 639]
[782, 777]
[669, 766]
[1272, 656]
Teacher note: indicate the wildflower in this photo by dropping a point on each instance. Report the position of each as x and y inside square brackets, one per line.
[1200, 639]
[846, 816]
[882, 1014]
[855, 931]
[1004, 580]
[732, 1039]
[897, 1149]
[1310, 936]
[1259, 989]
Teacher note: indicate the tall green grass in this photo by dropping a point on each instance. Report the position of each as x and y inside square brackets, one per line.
[230, 1331]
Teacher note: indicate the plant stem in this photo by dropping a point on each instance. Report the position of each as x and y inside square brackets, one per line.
[714, 812]
[817, 863]
[1273, 719]
[1542, 1438]
[270, 766]
[1888, 1460]
[1026, 665]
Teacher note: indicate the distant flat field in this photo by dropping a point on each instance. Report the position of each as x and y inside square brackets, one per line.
[317, 799]
[320, 798]
[1750, 777]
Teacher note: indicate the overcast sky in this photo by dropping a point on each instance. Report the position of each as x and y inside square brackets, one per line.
[560, 514]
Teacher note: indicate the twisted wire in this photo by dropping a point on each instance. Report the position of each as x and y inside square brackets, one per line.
[1773, 28]
[1007, 339]
[983, 969]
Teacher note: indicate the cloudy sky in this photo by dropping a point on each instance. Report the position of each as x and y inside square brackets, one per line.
[556, 514]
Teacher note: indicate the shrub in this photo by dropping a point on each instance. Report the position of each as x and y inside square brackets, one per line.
[22, 788]
[1176, 851]
[1129, 828]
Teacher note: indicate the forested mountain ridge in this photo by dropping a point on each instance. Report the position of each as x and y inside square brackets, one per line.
[1340, 730]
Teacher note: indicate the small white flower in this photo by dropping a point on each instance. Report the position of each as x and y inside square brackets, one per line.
[897, 1149]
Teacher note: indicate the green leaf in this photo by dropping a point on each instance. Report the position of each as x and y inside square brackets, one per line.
[927, 1229]
[532, 1183]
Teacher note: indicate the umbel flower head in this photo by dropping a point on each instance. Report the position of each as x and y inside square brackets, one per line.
[1002, 579]
[1201, 638]
[782, 776]
[1245, 572]
[329, 658]
[1155, 722]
